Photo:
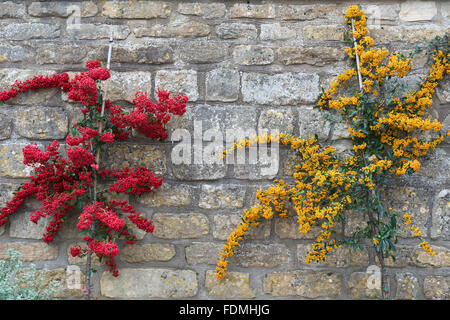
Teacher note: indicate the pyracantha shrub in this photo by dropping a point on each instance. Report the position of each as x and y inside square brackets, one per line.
[62, 183]
[390, 131]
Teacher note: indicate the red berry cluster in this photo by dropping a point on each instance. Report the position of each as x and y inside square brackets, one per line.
[61, 182]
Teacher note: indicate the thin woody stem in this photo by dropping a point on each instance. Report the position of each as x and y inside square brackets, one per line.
[94, 196]
[380, 254]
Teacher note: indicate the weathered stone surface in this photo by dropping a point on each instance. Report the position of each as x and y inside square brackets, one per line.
[360, 286]
[302, 283]
[11, 161]
[323, 33]
[149, 283]
[203, 52]
[404, 256]
[222, 85]
[280, 119]
[89, 31]
[253, 55]
[62, 9]
[9, 76]
[306, 12]
[235, 286]
[238, 31]
[440, 216]
[175, 195]
[203, 253]
[412, 201]
[147, 252]
[407, 286]
[412, 10]
[30, 251]
[14, 53]
[243, 10]
[22, 227]
[27, 31]
[440, 259]
[313, 122]
[182, 82]
[409, 34]
[275, 31]
[192, 171]
[135, 53]
[136, 10]
[436, 287]
[190, 29]
[180, 226]
[224, 225]
[5, 126]
[71, 279]
[342, 257]
[221, 196]
[10, 9]
[318, 56]
[134, 155]
[280, 89]
[124, 85]
[61, 54]
[206, 10]
[260, 255]
[41, 123]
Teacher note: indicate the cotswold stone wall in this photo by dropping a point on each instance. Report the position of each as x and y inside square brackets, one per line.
[244, 65]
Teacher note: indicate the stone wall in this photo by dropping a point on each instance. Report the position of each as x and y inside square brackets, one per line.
[244, 65]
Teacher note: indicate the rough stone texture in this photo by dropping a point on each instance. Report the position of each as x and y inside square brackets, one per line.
[124, 85]
[275, 31]
[71, 279]
[67, 54]
[182, 82]
[135, 53]
[9, 9]
[147, 252]
[260, 255]
[410, 34]
[167, 195]
[417, 10]
[280, 119]
[11, 160]
[235, 286]
[440, 216]
[279, 89]
[436, 287]
[62, 9]
[262, 11]
[136, 10]
[360, 287]
[30, 251]
[204, 52]
[203, 253]
[221, 196]
[318, 56]
[205, 10]
[222, 85]
[89, 31]
[323, 33]
[12, 53]
[238, 31]
[41, 123]
[190, 29]
[129, 155]
[306, 12]
[440, 259]
[22, 227]
[149, 283]
[253, 55]
[407, 286]
[27, 31]
[180, 226]
[302, 283]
